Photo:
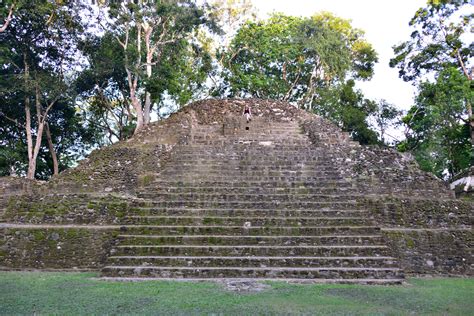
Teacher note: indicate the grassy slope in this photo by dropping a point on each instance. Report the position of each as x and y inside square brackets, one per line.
[76, 293]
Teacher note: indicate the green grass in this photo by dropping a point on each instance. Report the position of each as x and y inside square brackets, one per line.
[77, 293]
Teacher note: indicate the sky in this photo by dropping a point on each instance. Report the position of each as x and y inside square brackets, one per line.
[385, 24]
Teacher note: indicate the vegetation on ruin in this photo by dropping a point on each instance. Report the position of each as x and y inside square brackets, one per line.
[75, 77]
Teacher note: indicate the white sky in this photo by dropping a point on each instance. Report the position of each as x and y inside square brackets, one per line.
[385, 24]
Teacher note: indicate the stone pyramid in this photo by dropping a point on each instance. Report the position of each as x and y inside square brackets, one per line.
[207, 195]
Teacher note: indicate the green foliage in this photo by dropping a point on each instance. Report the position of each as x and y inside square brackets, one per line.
[289, 57]
[438, 134]
[175, 74]
[438, 124]
[102, 89]
[436, 42]
[37, 47]
[347, 107]
[307, 61]
[385, 116]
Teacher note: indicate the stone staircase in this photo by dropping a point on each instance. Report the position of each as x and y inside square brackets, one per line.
[260, 203]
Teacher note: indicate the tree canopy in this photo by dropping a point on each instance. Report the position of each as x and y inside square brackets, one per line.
[312, 62]
[440, 124]
[38, 49]
[77, 76]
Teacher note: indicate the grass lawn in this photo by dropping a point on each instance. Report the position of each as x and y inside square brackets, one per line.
[77, 293]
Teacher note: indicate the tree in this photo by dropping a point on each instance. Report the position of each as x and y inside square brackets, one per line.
[435, 132]
[437, 44]
[37, 46]
[102, 89]
[230, 15]
[144, 30]
[7, 8]
[289, 58]
[312, 62]
[178, 76]
[385, 115]
[346, 106]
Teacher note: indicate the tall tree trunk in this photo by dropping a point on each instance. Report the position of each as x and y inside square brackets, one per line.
[468, 74]
[149, 60]
[8, 19]
[136, 104]
[133, 84]
[470, 118]
[29, 136]
[29, 140]
[140, 121]
[54, 156]
[147, 109]
[39, 134]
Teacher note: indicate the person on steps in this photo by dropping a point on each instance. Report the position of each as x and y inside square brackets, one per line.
[247, 113]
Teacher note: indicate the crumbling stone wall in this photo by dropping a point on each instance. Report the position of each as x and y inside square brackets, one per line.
[79, 209]
[323, 133]
[375, 170]
[429, 236]
[214, 111]
[55, 248]
[432, 251]
[14, 186]
[420, 213]
[122, 167]
[427, 229]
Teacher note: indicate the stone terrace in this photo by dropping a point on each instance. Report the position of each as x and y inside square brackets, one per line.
[205, 195]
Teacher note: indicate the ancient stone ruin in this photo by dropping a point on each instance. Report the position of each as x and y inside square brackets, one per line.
[206, 195]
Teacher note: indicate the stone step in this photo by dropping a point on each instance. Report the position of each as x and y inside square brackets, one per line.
[245, 151]
[261, 160]
[203, 212]
[250, 240]
[339, 190]
[261, 262]
[252, 250]
[227, 166]
[285, 139]
[252, 166]
[279, 142]
[253, 272]
[245, 221]
[281, 180]
[233, 183]
[346, 205]
[359, 281]
[253, 125]
[252, 129]
[243, 157]
[248, 231]
[203, 189]
[256, 141]
[315, 205]
[249, 173]
[277, 135]
[212, 172]
[231, 197]
[255, 153]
